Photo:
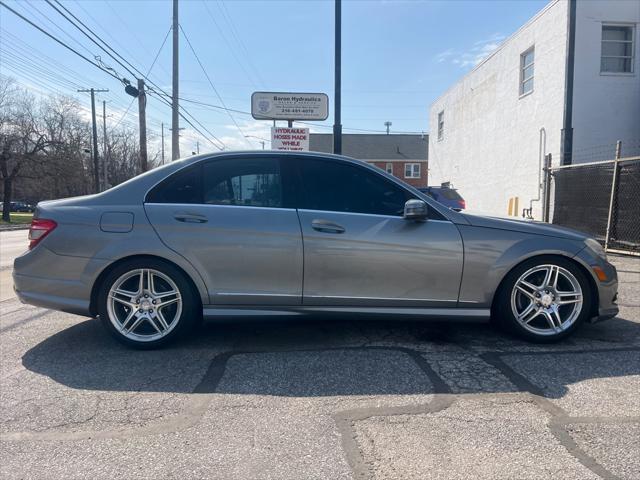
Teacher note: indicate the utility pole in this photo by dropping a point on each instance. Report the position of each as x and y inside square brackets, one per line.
[142, 119]
[162, 134]
[105, 182]
[337, 126]
[175, 117]
[387, 124]
[198, 146]
[96, 163]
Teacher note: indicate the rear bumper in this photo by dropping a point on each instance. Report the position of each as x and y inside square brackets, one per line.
[36, 291]
[45, 279]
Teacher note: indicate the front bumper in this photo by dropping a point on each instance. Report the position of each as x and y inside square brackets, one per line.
[607, 290]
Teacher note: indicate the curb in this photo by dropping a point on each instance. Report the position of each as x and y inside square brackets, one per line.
[21, 226]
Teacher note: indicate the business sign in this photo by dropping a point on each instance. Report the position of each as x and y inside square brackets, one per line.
[295, 139]
[289, 106]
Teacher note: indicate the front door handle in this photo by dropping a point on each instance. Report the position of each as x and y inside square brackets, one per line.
[187, 217]
[327, 226]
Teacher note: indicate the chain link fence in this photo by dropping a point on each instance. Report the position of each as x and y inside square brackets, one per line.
[600, 197]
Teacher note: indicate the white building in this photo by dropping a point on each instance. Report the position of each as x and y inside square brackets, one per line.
[566, 83]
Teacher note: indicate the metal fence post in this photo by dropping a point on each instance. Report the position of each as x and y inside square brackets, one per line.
[614, 185]
[546, 205]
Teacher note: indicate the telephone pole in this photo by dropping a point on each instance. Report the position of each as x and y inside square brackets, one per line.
[162, 134]
[337, 94]
[96, 163]
[105, 182]
[142, 118]
[175, 117]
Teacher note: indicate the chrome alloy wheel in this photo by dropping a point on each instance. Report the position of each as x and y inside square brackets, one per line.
[144, 305]
[546, 299]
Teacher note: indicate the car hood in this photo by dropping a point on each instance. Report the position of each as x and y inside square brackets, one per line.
[525, 226]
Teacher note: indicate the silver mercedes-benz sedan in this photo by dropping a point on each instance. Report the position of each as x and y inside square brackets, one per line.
[272, 234]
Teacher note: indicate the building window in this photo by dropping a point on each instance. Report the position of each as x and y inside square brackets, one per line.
[411, 170]
[617, 49]
[441, 125]
[526, 71]
[389, 168]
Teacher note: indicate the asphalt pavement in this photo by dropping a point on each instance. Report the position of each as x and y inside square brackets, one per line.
[318, 399]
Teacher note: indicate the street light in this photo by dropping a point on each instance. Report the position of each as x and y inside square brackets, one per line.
[260, 139]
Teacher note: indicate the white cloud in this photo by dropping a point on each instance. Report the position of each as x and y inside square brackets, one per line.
[251, 128]
[480, 50]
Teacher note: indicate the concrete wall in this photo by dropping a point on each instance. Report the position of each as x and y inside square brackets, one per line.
[606, 107]
[490, 150]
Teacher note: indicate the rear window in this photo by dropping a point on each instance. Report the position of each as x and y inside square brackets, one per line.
[449, 194]
[182, 187]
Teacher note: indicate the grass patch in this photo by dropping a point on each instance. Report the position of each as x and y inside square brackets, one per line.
[18, 218]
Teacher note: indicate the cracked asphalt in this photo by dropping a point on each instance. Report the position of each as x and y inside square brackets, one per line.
[320, 400]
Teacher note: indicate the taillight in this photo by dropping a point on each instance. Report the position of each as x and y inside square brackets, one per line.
[463, 204]
[40, 228]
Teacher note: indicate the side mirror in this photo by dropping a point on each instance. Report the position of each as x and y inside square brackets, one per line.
[416, 210]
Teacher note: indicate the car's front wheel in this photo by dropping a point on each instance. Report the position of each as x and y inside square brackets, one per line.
[147, 303]
[544, 299]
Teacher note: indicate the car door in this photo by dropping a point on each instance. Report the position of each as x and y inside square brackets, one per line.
[358, 248]
[231, 217]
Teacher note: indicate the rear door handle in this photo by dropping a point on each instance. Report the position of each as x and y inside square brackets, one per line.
[327, 226]
[187, 217]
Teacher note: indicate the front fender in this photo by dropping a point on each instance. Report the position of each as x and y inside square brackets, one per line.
[490, 254]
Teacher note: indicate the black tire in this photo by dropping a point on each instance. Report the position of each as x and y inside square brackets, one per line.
[504, 316]
[188, 319]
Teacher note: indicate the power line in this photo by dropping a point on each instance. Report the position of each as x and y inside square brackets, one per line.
[47, 20]
[135, 71]
[154, 93]
[107, 32]
[132, 31]
[110, 73]
[148, 72]
[231, 49]
[41, 70]
[50, 3]
[319, 125]
[234, 31]
[213, 86]
[57, 40]
[162, 92]
[28, 51]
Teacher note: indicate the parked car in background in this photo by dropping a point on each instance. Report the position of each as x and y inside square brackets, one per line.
[260, 233]
[19, 207]
[446, 195]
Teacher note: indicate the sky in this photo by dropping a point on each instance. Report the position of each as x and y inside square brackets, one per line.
[398, 56]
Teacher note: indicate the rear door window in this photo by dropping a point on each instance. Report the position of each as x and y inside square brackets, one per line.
[252, 182]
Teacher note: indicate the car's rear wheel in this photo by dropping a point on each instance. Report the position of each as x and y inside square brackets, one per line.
[544, 299]
[147, 303]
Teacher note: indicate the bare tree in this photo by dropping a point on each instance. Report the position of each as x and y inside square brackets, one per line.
[45, 145]
[21, 141]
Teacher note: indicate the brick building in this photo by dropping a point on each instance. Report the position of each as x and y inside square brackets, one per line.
[403, 155]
